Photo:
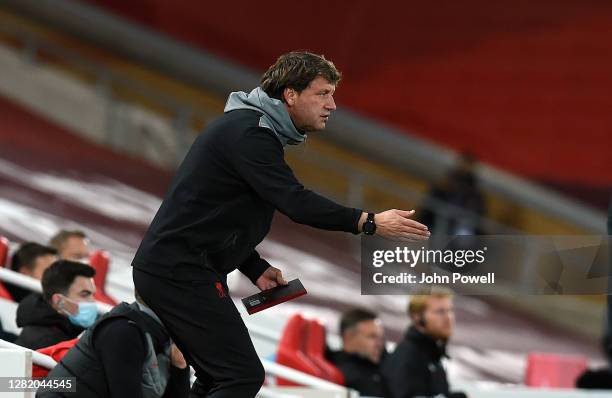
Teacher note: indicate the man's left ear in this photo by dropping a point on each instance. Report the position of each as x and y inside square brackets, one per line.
[57, 302]
[289, 95]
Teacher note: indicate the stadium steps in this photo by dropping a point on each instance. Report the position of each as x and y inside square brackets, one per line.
[314, 174]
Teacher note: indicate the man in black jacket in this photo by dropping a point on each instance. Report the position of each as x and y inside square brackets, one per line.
[63, 311]
[127, 353]
[415, 368]
[219, 207]
[363, 346]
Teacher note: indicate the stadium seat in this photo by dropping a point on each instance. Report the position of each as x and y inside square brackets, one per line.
[57, 352]
[4, 250]
[4, 293]
[291, 350]
[100, 260]
[554, 370]
[315, 350]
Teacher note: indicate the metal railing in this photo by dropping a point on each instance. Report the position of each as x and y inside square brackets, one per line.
[474, 390]
[359, 181]
[296, 376]
[37, 358]
[271, 368]
[27, 282]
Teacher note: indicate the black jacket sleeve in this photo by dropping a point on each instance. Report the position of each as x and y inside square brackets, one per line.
[407, 375]
[259, 159]
[178, 385]
[404, 379]
[121, 348]
[253, 266]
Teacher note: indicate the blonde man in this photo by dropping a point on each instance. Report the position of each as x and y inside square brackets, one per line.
[415, 368]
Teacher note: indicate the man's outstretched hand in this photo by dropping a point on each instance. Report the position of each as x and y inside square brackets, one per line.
[398, 225]
[271, 277]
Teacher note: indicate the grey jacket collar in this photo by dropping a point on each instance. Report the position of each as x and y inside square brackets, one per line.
[274, 114]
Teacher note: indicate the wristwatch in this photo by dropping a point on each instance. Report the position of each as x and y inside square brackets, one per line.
[369, 226]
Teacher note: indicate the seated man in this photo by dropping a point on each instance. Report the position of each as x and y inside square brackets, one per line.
[362, 348]
[126, 353]
[31, 259]
[415, 369]
[64, 310]
[71, 245]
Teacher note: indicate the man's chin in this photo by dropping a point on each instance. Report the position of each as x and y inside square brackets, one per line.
[313, 129]
[321, 127]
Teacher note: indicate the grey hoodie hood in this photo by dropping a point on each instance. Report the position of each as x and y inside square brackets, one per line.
[274, 114]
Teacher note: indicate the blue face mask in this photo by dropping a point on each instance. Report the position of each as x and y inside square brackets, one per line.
[88, 312]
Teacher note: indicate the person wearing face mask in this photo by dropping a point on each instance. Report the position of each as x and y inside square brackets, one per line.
[65, 308]
[126, 353]
[415, 368]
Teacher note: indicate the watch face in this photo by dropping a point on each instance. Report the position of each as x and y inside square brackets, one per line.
[369, 228]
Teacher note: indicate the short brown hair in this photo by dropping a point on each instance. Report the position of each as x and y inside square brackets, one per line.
[353, 317]
[61, 275]
[296, 70]
[418, 302]
[59, 239]
[28, 253]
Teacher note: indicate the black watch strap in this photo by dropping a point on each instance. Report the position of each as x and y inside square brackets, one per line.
[369, 226]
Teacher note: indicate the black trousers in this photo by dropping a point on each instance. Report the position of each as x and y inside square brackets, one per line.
[208, 329]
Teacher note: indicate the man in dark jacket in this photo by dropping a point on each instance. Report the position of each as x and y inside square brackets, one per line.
[127, 353]
[363, 346]
[63, 311]
[415, 368]
[219, 207]
[460, 190]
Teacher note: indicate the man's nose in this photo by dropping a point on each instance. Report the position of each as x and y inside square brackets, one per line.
[331, 104]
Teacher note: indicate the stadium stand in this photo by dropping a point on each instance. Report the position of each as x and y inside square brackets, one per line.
[461, 92]
[50, 178]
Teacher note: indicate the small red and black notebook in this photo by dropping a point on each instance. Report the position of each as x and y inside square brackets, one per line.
[271, 297]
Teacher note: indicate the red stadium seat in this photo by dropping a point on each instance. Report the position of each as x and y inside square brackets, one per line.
[291, 350]
[4, 250]
[100, 260]
[57, 352]
[315, 349]
[4, 293]
[553, 370]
